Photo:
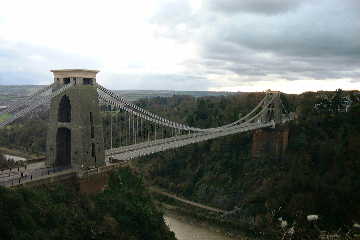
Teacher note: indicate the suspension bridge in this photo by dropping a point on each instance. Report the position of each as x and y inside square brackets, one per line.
[75, 138]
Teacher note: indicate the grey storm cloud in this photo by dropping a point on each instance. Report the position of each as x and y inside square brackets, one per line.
[250, 39]
[268, 7]
[290, 39]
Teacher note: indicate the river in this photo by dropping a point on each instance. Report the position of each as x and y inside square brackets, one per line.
[187, 231]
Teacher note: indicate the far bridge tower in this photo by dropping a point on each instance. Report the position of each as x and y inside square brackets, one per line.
[75, 133]
[271, 143]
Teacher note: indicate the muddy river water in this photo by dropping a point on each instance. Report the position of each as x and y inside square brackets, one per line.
[187, 231]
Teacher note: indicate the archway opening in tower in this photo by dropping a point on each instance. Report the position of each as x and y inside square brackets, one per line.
[64, 113]
[63, 147]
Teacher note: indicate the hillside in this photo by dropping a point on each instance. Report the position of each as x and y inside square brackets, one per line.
[317, 175]
[125, 210]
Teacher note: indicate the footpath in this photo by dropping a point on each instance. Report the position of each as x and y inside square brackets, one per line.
[173, 196]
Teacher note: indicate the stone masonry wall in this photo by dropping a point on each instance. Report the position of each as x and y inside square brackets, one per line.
[83, 100]
[270, 143]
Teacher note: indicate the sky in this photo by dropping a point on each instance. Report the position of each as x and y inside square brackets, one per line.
[219, 45]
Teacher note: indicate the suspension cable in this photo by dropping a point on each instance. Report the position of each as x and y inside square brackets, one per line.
[41, 101]
[26, 101]
[173, 124]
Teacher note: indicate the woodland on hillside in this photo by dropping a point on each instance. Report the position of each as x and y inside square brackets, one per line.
[317, 175]
[125, 210]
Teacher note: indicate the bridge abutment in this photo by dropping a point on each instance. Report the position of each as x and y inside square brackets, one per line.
[85, 182]
[93, 184]
[270, 142]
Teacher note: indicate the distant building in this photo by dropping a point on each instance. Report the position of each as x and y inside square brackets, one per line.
[346, 104]
[333, 103]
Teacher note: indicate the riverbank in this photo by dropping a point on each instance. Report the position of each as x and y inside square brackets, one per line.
[213, 222]
[205, 228]
[186, 229]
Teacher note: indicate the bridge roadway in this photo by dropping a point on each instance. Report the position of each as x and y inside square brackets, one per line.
[16, 176]
[38, 171]
[143, 149]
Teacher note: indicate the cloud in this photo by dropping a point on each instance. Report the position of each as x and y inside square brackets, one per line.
[317, 30]
[267, 7]
[250, 41]
[155, 81]
[185, 44]
[28, 64]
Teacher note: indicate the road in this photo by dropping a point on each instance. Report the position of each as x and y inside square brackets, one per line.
[15, 176]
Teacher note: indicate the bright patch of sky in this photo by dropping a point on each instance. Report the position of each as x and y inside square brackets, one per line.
[292, 46]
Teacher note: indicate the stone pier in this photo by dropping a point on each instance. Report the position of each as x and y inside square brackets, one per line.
[270, 143]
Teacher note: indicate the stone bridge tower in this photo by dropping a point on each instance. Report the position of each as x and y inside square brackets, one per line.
[75, 134]
[274, 110]
[271, 143]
